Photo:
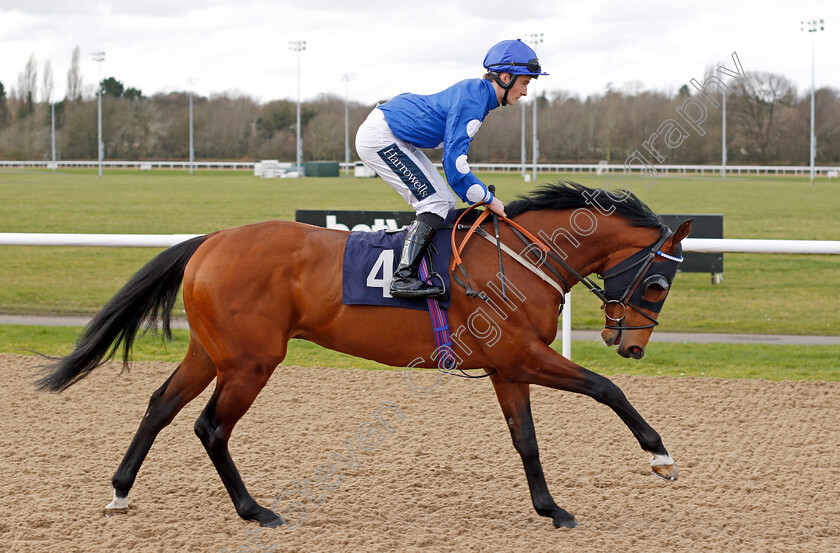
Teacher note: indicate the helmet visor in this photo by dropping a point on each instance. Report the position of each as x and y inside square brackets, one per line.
[533, 66]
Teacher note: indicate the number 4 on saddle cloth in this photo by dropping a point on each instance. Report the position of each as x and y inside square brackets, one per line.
[370, 260]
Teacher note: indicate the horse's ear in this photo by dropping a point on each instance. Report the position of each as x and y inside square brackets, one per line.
[683, 231]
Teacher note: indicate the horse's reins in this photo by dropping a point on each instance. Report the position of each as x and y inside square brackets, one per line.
[530, 240]
[495, 216]
[458, 263]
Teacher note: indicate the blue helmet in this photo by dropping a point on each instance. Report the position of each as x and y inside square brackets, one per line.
[514, 57]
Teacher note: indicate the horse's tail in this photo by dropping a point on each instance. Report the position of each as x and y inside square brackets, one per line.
[149, 296]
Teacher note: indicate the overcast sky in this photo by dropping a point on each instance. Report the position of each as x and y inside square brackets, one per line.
[395, 46]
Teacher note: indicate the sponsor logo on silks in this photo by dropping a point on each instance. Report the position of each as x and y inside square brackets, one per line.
[407, 170]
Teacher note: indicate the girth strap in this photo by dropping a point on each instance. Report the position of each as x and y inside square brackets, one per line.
[456, 251]
[440, 324]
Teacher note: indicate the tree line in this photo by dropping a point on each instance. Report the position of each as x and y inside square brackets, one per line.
[768, 123]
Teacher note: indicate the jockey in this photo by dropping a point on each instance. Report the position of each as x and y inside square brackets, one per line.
[390, 139]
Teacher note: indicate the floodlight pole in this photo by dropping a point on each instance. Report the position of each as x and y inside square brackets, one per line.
[52, 132]
[99, 57]
[813, 26]
[48, 97]
[723, 138]
[191, 82]
[535, 39]
[298, 46]
[347, 77]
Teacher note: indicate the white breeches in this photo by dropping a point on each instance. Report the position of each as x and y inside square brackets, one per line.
[404, 166]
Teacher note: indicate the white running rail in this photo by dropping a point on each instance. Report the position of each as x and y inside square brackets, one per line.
[709, 245]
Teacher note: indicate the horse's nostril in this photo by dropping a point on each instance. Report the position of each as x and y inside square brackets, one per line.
[636, 352]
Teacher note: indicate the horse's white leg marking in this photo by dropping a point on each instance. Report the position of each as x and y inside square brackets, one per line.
[119, 503]
[659, 460]
[664, 467]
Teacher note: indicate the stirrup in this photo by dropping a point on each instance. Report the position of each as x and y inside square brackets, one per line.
[416, 288]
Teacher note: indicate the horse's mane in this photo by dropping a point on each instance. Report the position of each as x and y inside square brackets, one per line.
[566, 194]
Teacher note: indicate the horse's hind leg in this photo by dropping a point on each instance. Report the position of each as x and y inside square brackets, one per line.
[515, 400]
[236, 389]
[191, 377]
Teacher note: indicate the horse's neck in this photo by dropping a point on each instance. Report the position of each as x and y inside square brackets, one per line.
[586, 240]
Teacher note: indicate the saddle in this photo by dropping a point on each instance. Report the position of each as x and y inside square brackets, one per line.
[370, 259]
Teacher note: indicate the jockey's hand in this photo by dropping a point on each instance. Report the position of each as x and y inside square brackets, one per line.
[497, 207]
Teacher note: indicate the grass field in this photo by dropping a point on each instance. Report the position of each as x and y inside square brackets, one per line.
[667, 359]
[778, 294]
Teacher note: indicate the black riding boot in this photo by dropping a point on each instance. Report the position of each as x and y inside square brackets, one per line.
[406, 282]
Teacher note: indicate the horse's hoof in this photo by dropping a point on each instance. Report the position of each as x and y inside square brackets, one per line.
[666, 472]
[266, 518]
[113, 511]
[118, 506]
[566, 523]
[274, 523]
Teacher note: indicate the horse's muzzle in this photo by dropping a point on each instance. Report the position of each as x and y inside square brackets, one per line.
[634, 352]
[611, 337]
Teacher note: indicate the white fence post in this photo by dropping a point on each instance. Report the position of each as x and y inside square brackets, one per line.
[566, 327]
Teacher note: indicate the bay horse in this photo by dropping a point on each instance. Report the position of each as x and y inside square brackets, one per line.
[248, 290]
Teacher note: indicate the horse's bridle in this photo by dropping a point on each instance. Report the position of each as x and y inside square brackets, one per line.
[644, 261]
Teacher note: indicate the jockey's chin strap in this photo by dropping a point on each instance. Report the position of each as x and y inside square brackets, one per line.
[535, 245]
[506, 87]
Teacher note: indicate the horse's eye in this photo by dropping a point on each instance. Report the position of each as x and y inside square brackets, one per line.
[655, 288]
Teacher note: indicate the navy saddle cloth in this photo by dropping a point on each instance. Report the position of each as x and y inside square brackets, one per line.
[370, 259]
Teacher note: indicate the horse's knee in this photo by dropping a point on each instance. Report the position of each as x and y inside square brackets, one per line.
[606, 392]
[524, 439]
[211, 435]
[204, 429]
[611, 395]
[522, 433]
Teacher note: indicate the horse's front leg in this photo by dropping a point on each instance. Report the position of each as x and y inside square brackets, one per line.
[515, 400]
[546, 367]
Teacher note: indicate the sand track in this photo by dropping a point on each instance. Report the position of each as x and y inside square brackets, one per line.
[759, 467]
